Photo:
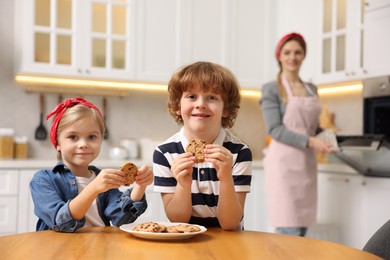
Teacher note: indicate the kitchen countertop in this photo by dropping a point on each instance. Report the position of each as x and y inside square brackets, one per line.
[327, 167]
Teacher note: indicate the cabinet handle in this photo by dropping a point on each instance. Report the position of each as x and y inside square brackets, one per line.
[79, 71]
[352, 73]
[87, 71]
[364, 183]
[346, 73]
[346, 180]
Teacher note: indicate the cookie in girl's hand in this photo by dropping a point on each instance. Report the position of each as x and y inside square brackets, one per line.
[196, 147]
[130, 170]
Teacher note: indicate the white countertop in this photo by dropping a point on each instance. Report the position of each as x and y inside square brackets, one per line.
[107, 163]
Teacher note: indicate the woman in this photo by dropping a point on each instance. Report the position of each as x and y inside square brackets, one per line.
[291, 112]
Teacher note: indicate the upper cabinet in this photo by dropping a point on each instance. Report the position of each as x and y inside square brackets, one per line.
[141, 40]
[341, 41]
[376, 40]
[77, 38]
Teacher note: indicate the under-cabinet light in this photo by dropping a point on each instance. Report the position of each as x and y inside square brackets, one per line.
[340, 89]
[89, 83]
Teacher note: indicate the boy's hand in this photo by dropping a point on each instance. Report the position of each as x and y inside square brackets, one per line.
[182, 168]
[221, 158]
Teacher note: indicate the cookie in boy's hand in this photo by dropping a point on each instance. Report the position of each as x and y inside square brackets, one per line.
[130, 170]
[196, 147]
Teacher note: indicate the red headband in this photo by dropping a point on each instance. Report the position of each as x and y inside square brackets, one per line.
[286, 38]
[60, 109]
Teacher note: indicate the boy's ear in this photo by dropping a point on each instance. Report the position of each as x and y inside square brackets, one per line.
[225, 113]
[178, 112]
[58, 148]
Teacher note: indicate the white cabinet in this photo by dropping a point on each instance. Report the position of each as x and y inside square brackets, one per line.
[8, 201]
[341, 41]
[27, 220]
[76, 38]
[340, 205]
[376, 192]
[255, 212]
[142, 40]
[376, 41]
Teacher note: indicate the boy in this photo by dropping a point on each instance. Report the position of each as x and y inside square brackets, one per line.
[204, 97]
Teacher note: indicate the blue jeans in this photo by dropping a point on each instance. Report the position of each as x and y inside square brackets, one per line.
[296, 231]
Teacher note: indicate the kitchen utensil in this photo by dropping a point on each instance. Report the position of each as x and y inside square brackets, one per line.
[118, 153]
[41, 132]
[106, 133]
[131, 145]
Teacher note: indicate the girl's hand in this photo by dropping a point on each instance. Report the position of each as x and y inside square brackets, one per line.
[221, 158]
[144, 176]
[108, 179]
[182, 168]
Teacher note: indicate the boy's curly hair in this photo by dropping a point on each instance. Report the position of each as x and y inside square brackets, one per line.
[207, 76]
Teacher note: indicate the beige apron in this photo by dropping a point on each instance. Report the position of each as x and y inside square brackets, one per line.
[291, 173]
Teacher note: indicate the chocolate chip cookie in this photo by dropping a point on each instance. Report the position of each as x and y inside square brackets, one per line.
[130, 170]
[196, 147]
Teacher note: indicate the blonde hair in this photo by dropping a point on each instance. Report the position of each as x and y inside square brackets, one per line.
[207, 76]
[75, 114]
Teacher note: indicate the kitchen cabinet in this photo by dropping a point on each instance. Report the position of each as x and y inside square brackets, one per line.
[255, 212]
[142, 40]
[76, 38]
[8, 201]
[376, 42]
[340, 206]
[341, 41]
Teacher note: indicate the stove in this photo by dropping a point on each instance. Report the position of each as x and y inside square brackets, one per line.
[368, 154]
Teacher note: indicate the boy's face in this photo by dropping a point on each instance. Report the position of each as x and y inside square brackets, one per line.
[80, 142]
[202, 113]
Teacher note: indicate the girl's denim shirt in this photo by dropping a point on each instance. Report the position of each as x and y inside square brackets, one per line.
[52, 190]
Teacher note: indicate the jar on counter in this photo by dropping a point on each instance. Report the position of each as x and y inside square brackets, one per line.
[7, 143]
[20, 147]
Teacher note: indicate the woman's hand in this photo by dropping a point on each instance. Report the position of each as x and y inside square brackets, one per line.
[221, 158]
[320, 145]
[182, 168]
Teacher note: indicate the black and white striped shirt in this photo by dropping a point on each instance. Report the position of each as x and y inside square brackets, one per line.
[205, 184]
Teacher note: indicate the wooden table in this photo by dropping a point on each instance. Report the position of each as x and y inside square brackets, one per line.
[113, 243]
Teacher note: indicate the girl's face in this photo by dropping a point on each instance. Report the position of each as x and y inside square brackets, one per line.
[202, 113]
[80, 142]
[291, 56]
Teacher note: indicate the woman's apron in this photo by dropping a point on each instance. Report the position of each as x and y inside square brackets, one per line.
[291, 173]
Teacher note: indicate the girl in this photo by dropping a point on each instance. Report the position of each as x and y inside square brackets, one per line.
[74, 194]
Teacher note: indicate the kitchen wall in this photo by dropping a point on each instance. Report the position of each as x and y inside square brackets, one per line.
[138, 115]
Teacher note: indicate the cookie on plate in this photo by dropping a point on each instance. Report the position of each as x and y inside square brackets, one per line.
[187, 228]
[196, 147]
[130, 170]
[148, 227]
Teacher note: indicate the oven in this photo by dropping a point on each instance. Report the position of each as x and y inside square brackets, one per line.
[376, 113]
[369, 154]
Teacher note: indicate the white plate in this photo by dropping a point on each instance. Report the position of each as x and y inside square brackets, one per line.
[161, 236]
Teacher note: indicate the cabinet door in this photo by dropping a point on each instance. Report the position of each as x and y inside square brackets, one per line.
[26, 218]
[341, 41]
[8, 201]
[376, 193]
[48, 36]
[376, 41]
[107, 38]
[77, 38]
[340, 204]
[255, 212]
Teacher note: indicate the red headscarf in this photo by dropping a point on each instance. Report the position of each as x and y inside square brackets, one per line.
[286, 38]
[60, 109]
